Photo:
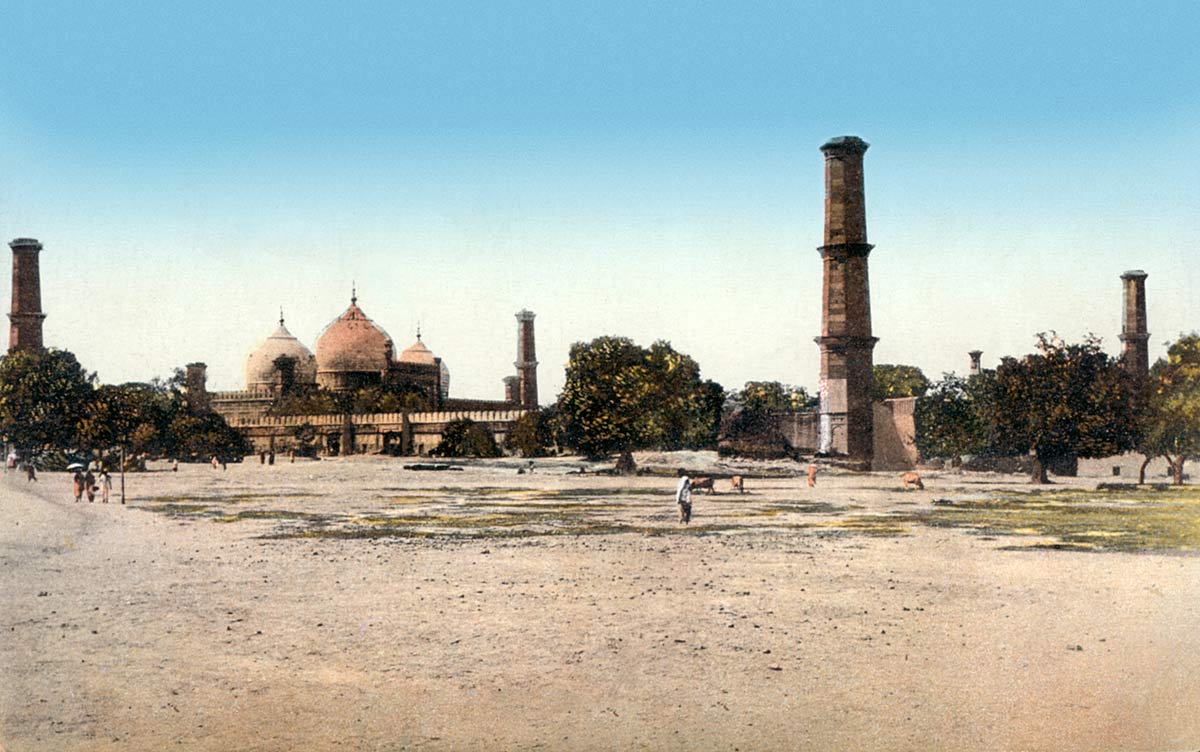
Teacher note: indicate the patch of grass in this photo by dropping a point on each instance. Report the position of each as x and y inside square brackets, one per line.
[1104, 520]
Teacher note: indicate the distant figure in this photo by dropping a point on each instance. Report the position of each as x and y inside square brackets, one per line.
[105, 486]
[174, 466]
[89, 486]
[214, 462]
[12, 460]
[683, 497]
[77, 485]
[271, 457]
[223, 465]
[912, 479]
[262, 458]
[292, 456]
[531, 467]
[699, 484]
[737, 484]
[31, 471]
[812, 476]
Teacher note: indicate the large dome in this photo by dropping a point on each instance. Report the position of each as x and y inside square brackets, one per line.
[260, 364]
[353, 343]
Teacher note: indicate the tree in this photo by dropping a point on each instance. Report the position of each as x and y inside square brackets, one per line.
[531, 435]
[43, 397]
[949, 419]
[1171, 420]
[890, 381]
[619, 396]
[466, 438]
[750, 422]
[1064, 401]
[134, 416]
[769, 396]
[206, 435]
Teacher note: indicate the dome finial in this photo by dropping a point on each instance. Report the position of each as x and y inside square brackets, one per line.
[418, 330]
[353, 293]
[281, 315]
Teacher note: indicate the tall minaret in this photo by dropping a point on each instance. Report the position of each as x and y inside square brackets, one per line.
[1136, 356]
[846, 414]
[976, 362]
[526, 362]
[25, 332]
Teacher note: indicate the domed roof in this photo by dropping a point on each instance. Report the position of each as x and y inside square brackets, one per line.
[417, 352]
[352, 343]
[260, 364]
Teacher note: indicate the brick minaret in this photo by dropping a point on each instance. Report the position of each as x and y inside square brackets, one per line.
[196, 387]
[526, 362]
[25, 332]
[1136, 356]
[846, 417]
[976, 362]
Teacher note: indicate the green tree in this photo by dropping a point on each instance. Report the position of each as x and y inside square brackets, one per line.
[531, 435]
[1171, 419]
[206, 435]
[466, 438]
[1065, 401]
[619, 396]
[769, 396]
[951, 416]
[890, 381]
[43, 397]
[134, 416]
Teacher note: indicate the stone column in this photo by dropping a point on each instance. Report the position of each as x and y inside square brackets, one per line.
[25, 331]
[1136, 355]
[976, 362]
[512, 389]
[526, 361]
[846, 416]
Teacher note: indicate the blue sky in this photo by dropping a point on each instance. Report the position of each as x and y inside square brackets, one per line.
[617, 168]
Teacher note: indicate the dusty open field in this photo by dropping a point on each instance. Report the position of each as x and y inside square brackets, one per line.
[349, 604]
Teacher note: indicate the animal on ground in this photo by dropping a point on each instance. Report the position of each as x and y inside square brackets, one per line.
[737, 484]
[702, 483]
[912, 479]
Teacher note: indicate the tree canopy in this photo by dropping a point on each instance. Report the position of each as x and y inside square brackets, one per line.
[620, 396]
[1064, 401]
[44, 396]
[1171, 419]
[890, 381]
[951, 416]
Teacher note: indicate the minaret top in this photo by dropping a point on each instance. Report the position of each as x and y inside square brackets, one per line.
[525, 315]
[1134, 274]
[844, 145]
[25, 243]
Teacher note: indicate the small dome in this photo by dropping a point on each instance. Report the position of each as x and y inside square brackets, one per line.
[260, 364]
[353, 343]
[417, 353]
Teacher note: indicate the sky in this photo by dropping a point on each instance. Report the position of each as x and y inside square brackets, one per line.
[649, 170]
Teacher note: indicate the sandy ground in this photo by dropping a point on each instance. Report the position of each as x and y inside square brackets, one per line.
[126, 628]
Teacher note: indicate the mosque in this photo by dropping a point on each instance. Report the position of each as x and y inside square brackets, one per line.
[351, 353]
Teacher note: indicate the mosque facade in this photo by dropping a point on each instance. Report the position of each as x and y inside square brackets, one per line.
[351, 353]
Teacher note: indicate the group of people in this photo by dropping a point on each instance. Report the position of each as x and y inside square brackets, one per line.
[88, 483]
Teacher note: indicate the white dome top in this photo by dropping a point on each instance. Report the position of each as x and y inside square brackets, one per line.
[260, 364]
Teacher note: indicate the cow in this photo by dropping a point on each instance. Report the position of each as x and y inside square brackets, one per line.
[701, 483]
[737, 484]
[912, 479]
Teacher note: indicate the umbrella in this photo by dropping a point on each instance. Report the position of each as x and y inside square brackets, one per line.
[75, 466]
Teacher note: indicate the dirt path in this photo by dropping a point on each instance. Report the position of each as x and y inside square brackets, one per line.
[127, 629]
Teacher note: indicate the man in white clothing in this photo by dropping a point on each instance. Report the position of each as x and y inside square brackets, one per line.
[683, 497]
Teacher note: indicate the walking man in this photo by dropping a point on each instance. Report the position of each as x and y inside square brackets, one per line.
[683, 497]
[812, 476]
[77, 485]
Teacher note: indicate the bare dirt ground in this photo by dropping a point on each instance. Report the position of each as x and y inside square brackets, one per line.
[350, 604]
